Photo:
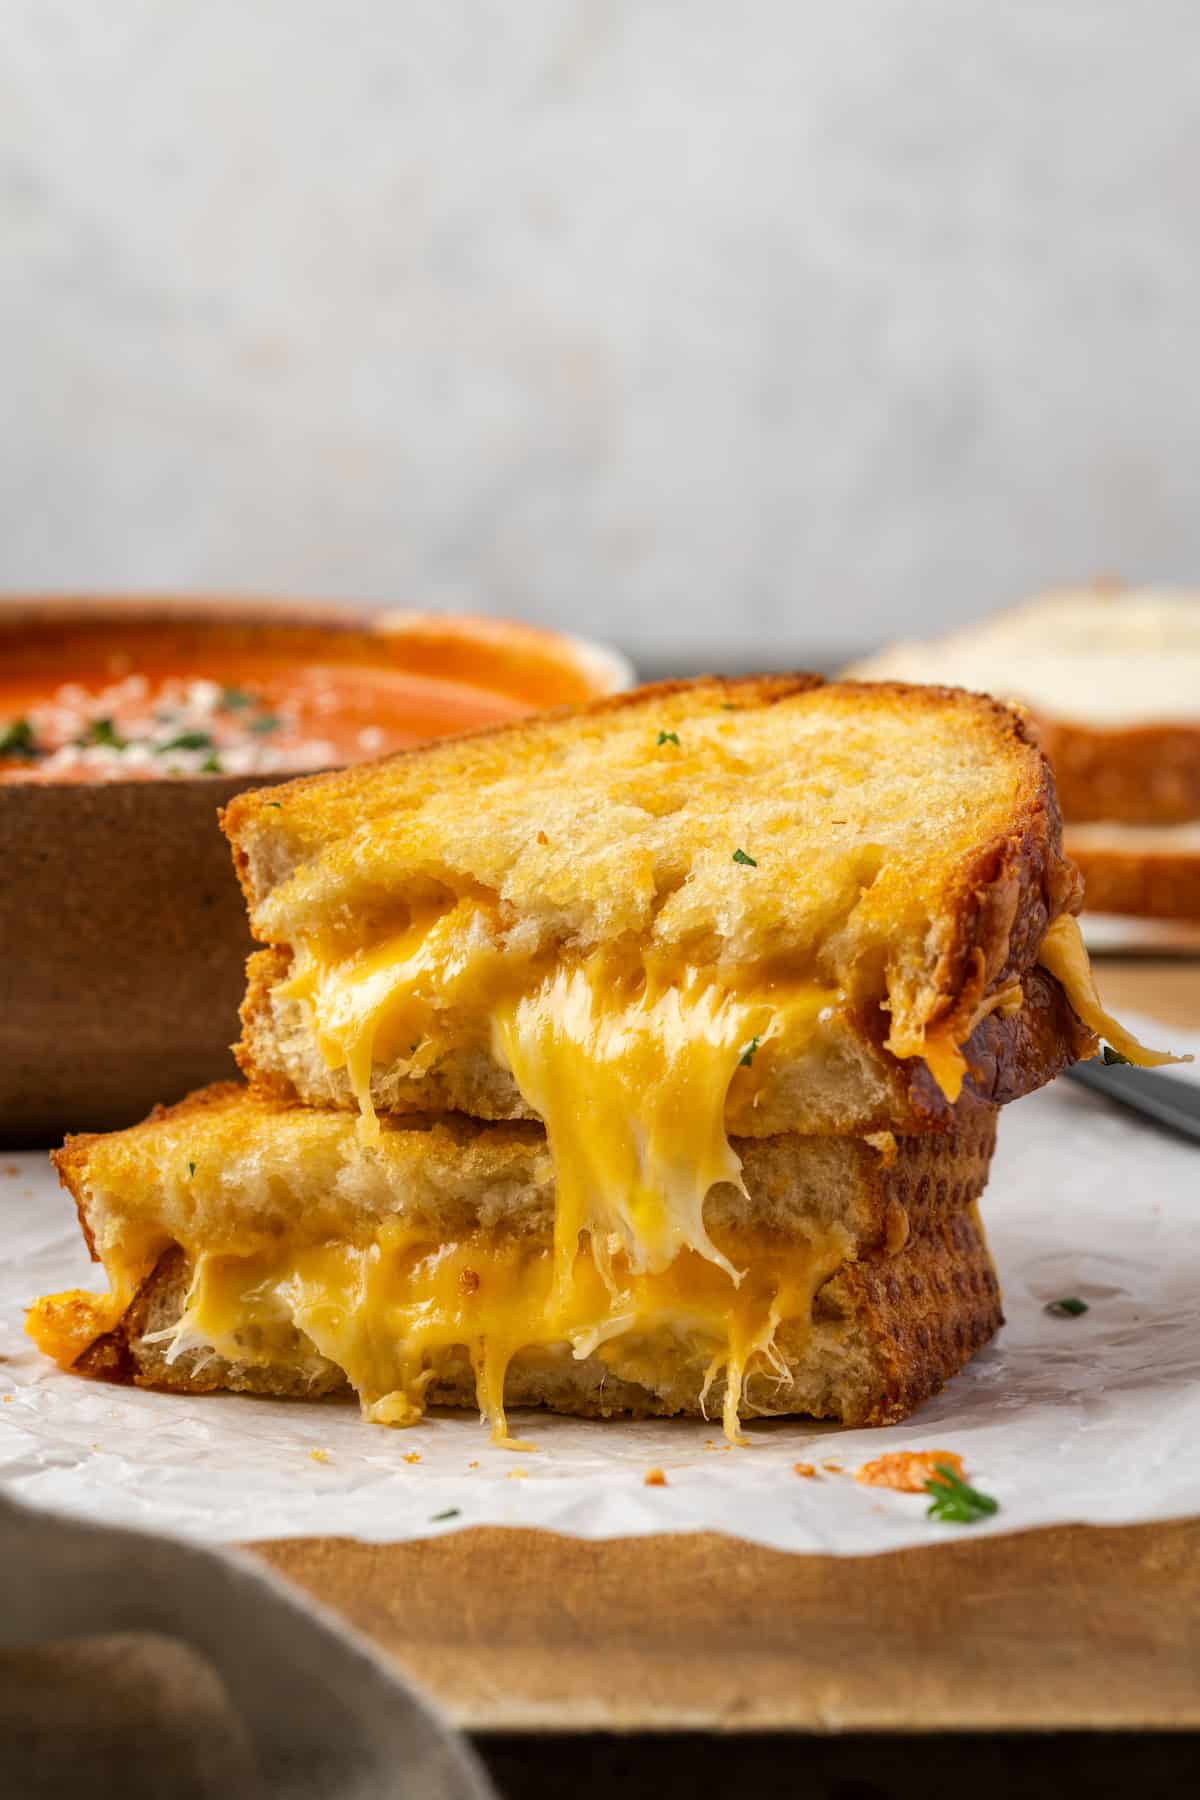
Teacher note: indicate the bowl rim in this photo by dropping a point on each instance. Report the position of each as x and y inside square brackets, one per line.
[602, 667]
[606, 667]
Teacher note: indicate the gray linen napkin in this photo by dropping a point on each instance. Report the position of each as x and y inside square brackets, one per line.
[140, 1665]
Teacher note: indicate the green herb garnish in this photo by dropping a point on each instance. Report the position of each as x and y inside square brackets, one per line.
[747, 1056]
[451, 1512]
[953, 1502]
[234, 699]
[267, 722]
[739, 856]
[277, 804]
[16, 739]
[191, 1170]
[1070, 1307]
[728, 706]
[187, 740]
[669, 737]
[1114, 1056]
[103, 731]
[211, 764]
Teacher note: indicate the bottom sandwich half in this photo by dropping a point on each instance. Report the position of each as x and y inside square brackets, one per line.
[261, 1247]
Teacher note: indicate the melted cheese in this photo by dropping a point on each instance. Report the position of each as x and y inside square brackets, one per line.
[628, 1067]
[942, 1050]
[394, 1314]
[1064, 955]
[64, 1325]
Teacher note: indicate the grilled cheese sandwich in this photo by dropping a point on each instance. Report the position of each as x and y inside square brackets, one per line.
[249, 1243]
[746, 966]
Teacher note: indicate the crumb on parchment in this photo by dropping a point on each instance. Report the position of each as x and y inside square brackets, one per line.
[808, 1470]
[907, 1471]
[518, 1475]
[654, 1478]
[412, 1456]
[832, 1468]
[319, 1456]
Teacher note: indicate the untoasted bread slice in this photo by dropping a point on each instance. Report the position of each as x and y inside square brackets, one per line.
[894, 852]
[1112, 676]
[866, 1281]
[1147, 871]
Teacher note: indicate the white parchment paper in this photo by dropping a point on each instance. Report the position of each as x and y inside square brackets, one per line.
[1091, 1419]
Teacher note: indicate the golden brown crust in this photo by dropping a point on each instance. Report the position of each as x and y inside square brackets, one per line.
[1010, 1057]
[1002, 901]
[1131, 774]
[1147, 884]
[929, 1311]
[247, 809]
[1017, 886]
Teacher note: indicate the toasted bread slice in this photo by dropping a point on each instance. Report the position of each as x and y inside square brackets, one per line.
[888, 854]
[1112, 676]
[257, 1246]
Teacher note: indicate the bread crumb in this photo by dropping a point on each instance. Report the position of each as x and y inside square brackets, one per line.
[11, 1169]
[412, 1456]
[895, 1228]
[472, 1465]
[542, 838]
[907, 1471]
[518, 1475]
[654, 1478]
[832, 1468]
[808, 1470]
[885, 1143]
[321, 1456]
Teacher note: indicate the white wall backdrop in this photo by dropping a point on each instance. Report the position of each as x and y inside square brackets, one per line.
[742, 329]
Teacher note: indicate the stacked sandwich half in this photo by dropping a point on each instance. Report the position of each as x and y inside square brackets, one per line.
[643, 1059]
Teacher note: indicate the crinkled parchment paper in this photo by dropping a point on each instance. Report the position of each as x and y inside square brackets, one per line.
[1095, 1418]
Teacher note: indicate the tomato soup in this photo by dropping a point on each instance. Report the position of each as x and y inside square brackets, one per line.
[141, 707]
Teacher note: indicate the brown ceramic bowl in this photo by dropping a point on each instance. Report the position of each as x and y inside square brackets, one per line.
[123, 935]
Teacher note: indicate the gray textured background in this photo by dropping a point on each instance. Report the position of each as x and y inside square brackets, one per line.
[729, 331]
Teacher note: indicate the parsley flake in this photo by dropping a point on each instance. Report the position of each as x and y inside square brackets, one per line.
[211, 764]
[16, 739]
[748, 1054]
[1070, 1307]
[187, 740]
[669, 737]
[451, 1512]
[191, 1170]
[953, 1502]
[266, 722]
[739, 856]
[277, 804]
[1112, 1056]
[103, 731]
[235, 699]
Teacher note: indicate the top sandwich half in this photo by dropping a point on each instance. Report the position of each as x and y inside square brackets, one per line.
[699, 909]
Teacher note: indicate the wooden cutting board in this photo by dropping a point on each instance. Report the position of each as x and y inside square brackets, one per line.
[1070, 1628]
